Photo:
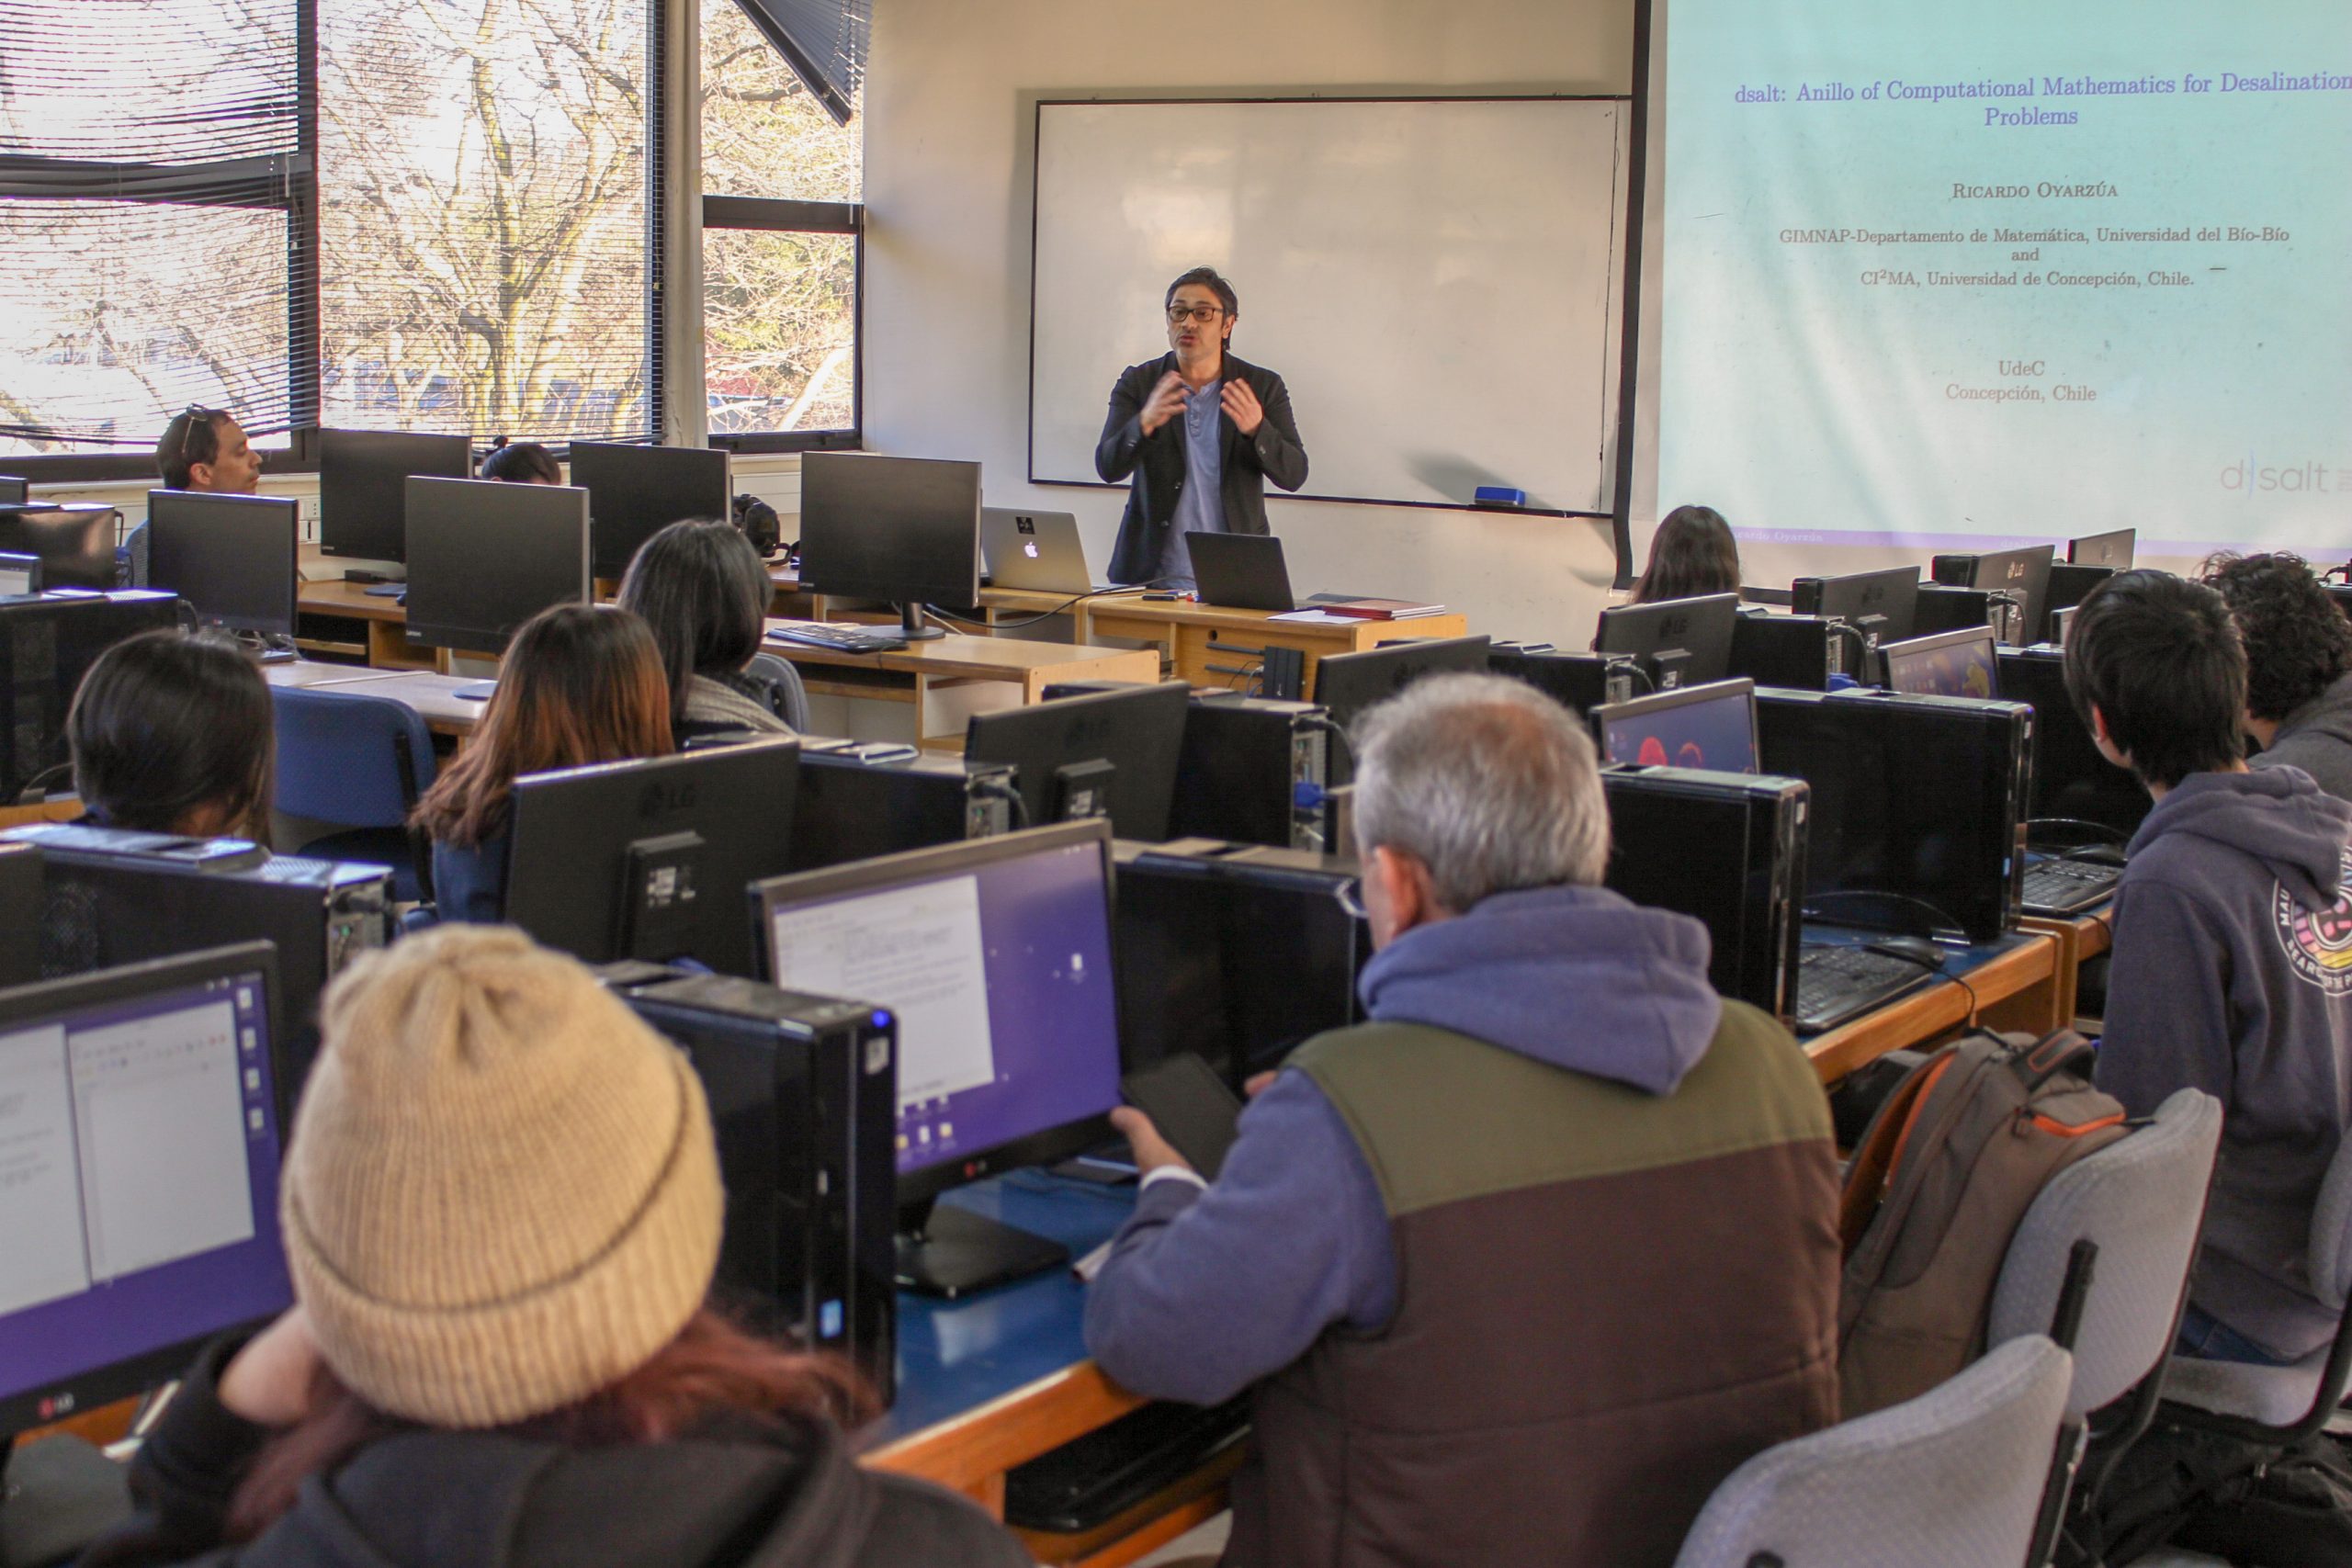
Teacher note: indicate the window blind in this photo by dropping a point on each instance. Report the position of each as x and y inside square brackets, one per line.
[824, 40]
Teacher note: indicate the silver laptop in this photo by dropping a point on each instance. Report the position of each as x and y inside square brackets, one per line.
[1036, 551]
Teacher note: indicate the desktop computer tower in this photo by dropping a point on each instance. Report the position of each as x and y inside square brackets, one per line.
[46, 645]
[2072, 783]
[1240, 772]
[852, 808]
[20, 874]
[1726, 849]
[803, 1094]
[1797, 652]
[115, 896]
[1577, 682]
[1945, 608]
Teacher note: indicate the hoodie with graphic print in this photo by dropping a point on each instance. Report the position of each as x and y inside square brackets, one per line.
[2233, 974]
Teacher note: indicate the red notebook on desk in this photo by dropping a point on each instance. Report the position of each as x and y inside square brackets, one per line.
[1377, 609]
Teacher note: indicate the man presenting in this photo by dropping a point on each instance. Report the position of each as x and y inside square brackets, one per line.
[1201, 431]
[202, 449]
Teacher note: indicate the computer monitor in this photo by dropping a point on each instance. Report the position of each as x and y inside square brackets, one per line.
[1348, 684]
[141, 1124]
[634, 492]
[2111, 550]
[75, 543]
[2022, 573]
[995, 955]
[233, 558]
[1711, 727]
[648, 858]
[1947, 664]
[2069, 586]
[2073, 784]
[904, 529]
[47, 644]
[1680, 642]
[363, 495]
[1104, 754]
[1881, 605]
[484, 558]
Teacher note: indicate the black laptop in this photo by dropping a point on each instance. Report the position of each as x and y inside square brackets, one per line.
[1240, 571]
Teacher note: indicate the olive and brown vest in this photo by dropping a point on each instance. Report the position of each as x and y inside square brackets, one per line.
[1606, 1300]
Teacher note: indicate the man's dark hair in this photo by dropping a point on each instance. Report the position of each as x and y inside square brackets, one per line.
[2161, 661]
[701, 587]
[181, 447]
[523, 463]
[2297, 644]
[1208, 278]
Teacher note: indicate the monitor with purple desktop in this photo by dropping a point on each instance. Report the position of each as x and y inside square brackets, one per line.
[1949, 664]
[996, 957]
[1711, 727]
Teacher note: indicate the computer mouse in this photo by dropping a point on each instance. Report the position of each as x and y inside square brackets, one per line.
[2098, 854]
[1912, 948]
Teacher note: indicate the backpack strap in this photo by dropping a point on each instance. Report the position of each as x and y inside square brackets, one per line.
[2060, 1051]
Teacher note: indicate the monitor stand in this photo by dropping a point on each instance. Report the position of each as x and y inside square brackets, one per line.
[910, 625]
[951, 1251]
[57, 1495]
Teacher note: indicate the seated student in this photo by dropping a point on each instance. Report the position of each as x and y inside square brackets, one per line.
[523, 463]
[519, 1364]
[202, 449]
[2229, 973]
[703, 590]
[174, 734]
[579, 685]
[1526, 1265]
[2298, 664]
[1691, 554]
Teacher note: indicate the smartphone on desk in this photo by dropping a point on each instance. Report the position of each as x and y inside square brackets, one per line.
[1190, 1106]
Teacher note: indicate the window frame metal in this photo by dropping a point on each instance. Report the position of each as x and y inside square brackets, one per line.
[782, 216]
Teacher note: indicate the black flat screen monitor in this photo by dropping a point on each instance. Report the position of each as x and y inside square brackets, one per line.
[2022, 573]
[75, 543]
[484, 558]
[634, 492]
[1881, 605]
[1348, 684]
[140, 1121]
[995, 956]
[2074, 786]
[2111, 550]
[1104, 754]
[363, 494]
[904, 529]
[233, 558]
[1946, 664]
[649, 859]
[1680, 642]
[1711, 727]
[2069, 585]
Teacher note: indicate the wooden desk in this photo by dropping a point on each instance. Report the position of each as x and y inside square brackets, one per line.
[432, 695]
[2015, 986]
[386, 620]
[1186, 631]
[2079, 938]
[947, 678]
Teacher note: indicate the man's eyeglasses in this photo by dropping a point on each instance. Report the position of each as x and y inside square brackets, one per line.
[197, 417]
[1350, 894]
[1200, 314]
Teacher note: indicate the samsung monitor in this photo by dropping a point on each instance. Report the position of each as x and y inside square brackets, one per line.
[1881, 605]
[1947, 664]
[484, 558]
[904, 529]
[233, 558]
[1680, 642]
[75, 543]
[1110, 753]
[363, 494]
[2022, 574]
[634, 492]
[15, 492]
[1711, 727]
[648, 858]
[2111, 550]
[139, 1132]
[995, 956]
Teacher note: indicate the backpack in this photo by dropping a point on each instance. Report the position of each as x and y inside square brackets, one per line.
[1936, 1191]
[2229, 1497]
[760, 524]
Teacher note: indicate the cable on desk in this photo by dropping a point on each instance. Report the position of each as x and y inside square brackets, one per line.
[1950, 924]
[1063, 608]
[1005, 792]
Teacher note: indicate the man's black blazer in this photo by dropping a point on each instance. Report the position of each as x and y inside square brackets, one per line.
[1156, 461]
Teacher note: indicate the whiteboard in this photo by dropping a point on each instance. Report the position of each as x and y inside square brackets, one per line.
[1437, 281]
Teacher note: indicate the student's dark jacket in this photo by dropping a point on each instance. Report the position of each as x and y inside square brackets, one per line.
[471, 885]
[1156, 461]
[2317, 737]
[748, 1497]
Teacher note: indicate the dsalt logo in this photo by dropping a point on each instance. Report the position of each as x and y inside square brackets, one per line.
[2313, 476]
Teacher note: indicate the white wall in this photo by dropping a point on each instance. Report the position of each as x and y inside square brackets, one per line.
[950, 114]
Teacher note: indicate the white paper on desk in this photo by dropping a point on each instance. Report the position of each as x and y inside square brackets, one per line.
[1316, 618]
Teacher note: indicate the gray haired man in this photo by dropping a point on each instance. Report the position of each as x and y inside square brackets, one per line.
[1524, 1266]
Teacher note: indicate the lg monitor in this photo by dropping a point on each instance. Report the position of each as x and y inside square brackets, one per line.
[484, 558]
[1711, 727]
[233, 558]
[634, 492]
[1680, 642]
[1881, 605]
[2021, 574]
[75, 544]
[141, 1118]
[648, 858]
[2111, 550]
[363, 480]
[995, 958]
[903, 529]
[15, 492]
[1109, 753]
[1947, 664]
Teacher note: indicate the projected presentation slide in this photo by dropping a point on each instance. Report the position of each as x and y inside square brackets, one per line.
[1968, 274]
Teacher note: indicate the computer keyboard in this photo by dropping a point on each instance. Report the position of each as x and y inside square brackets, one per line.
[2065, 887]
[839, 639]
[1835, 983]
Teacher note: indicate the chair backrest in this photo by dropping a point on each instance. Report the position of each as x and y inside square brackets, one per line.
[2332, 1233]
[788, 683]
[338, 759]
[2140, 1200]
[1954, 1477]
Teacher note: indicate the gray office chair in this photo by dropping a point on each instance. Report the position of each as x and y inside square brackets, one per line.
[767, 665]
[1952, 1479]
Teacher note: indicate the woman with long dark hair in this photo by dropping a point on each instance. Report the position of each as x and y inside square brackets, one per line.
[704, 591]
[174, 734]
[501, 1208]
[1691, 554]
[579, 685]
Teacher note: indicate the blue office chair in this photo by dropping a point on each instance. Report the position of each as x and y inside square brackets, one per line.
[361, 762]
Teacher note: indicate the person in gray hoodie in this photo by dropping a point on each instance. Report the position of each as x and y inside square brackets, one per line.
[2233, 963]
[2299, 665]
